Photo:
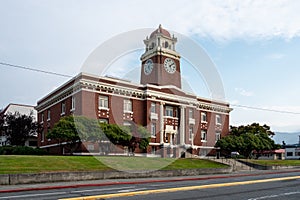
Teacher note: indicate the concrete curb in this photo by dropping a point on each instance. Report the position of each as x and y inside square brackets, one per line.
[14, 179]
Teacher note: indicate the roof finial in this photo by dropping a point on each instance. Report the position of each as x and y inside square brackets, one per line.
[159, 28]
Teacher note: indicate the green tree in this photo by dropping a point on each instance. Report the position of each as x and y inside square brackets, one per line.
[245, 139]
[74, 130]
[18, 128]
[127, 136]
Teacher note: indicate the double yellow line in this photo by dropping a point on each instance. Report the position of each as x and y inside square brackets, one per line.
[145, 192]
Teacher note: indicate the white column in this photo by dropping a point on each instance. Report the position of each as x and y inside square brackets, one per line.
[182, 125]
[161, 122]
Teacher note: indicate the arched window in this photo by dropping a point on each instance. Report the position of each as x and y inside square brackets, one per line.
[166, 44]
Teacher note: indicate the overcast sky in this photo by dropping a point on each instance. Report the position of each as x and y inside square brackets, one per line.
[255, 46]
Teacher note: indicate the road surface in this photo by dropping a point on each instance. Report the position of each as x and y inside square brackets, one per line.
[273, 185]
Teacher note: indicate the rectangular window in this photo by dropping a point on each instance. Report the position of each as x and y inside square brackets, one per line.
[42, 136]
[153, 150]
[153, 107]
[191, 130]
[48, 115]
[191, 113]
[102, 120]
[203, 135]
[103, 101]
[218, 119]
[153, 129]
[63, 108]
[218, 136]
[289, 153]
[42, 117]
[203, 117]
[73, 103]
[169, 111]
[127, 105]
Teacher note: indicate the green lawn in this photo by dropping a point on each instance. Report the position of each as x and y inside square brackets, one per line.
[277, 162]
[35, 164]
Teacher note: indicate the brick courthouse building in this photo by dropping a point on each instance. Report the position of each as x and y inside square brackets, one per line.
[178, 121]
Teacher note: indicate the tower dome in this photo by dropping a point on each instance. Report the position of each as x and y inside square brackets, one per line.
[162, 31]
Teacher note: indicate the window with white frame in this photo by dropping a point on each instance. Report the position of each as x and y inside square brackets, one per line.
[48, 115]
[203, 135]
[218, 136]
[63, 108]
[191, 130]
[103, 101]
[153, 107]
[191, 113]
[153, 129]
[42, 136]
[203, 117]
[42, 117]
[103, 120]
[218, 119]
[127, 105]
[169, 111]
[73, 103]
[153, 150]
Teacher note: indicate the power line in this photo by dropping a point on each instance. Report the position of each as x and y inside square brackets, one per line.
[35, 70]
[69, 76]
[265, 109]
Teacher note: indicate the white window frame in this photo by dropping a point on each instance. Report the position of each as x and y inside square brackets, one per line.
[153, 130]
[153, 107]
[191, 113]
[73, 103]
[63, 108]
[42, 118]
[103, 120]
[218, 136]
[42, 136]
[48, 115]
[203, 135]
[169, 111]
[103, 102]
[203, 117]
[191, 132]
[127, 107]
[218, 119]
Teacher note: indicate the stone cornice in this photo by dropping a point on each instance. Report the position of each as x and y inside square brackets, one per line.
[133, 91]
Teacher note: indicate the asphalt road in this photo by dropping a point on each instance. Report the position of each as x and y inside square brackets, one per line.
[260, 185]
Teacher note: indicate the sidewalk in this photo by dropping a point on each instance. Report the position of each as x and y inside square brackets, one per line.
[61, 185]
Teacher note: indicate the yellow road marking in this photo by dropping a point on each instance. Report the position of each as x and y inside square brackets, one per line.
[182, 188]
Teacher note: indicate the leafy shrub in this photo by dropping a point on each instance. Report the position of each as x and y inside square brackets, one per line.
[21, 150]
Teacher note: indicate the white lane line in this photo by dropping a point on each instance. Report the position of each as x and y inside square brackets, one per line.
[275, 195]
[156, 185]
[33, 195]
[101, 189]
[132, 190]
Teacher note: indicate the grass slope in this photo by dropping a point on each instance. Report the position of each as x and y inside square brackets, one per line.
[277, 162]
[36, 164]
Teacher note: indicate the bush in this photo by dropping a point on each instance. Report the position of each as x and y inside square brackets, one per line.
[21, 150]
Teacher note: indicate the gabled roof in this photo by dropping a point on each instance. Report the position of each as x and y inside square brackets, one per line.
[21, 108]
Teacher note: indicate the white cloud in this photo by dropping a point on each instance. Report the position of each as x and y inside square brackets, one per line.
[243, 92]
[275, 56]
[239, 19]
[221, 20]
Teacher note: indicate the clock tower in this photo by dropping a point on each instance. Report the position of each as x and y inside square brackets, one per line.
[160, 62]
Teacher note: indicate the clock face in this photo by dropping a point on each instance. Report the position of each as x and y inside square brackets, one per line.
[169, 65]
[148, 66]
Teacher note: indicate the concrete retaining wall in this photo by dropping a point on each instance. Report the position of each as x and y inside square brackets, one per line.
[13, 179]
[266, 167]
